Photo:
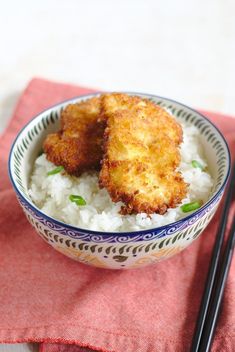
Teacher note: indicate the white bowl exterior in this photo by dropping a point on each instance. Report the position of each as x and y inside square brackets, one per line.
[124, 252]
[117, 250]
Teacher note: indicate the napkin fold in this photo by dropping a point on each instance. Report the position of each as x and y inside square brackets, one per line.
[49, 298]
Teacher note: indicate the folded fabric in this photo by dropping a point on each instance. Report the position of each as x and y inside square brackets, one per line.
[47, 297]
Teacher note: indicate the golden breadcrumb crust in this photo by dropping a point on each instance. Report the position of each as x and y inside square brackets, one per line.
[78, 145]
[141, 154]
[138, 143]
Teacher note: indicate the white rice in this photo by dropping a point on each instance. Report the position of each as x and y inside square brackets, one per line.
[51, 193]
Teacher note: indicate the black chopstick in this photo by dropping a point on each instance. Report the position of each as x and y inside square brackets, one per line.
[208, 332]
[211, 276]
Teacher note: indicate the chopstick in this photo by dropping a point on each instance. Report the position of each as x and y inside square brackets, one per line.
[218, 294]
[206, 319]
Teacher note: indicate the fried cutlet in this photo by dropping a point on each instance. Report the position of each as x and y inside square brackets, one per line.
[141, 154]
[157, 116]
[78, 145]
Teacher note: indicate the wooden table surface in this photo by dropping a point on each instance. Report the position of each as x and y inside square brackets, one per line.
[183, 50]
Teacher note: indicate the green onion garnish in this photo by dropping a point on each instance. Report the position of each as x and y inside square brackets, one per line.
[190, 206]
[77, 199]
[55, 171]
[197, 165]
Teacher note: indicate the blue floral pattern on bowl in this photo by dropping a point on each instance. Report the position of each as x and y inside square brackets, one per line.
[125, 249]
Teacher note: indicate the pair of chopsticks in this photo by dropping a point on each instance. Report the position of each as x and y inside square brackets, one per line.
[216, 278]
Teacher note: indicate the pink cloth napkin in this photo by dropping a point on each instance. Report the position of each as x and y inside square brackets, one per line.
[47, 297]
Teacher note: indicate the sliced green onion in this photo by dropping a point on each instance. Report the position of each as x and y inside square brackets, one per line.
[55, 171]
[197, 165]
[190, 207]
[77, 199]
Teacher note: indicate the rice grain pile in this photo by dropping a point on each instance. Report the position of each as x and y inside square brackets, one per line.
[51, 193]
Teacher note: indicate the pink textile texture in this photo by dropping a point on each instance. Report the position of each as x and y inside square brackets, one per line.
[47, 297]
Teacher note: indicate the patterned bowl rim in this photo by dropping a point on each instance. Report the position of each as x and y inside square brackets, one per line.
[129, 233]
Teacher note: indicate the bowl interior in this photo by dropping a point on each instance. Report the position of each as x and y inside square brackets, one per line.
[28, 144]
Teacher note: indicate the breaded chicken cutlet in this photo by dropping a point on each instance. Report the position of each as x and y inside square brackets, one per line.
[78, 145]
[141, 154]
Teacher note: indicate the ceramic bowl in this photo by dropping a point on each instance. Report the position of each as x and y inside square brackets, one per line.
[117, 250]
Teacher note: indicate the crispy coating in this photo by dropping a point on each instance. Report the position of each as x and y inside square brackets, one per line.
[78, 144]
[141, 155]
[158, 117]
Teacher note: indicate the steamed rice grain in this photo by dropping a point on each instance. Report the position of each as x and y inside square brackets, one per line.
[51, 193]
